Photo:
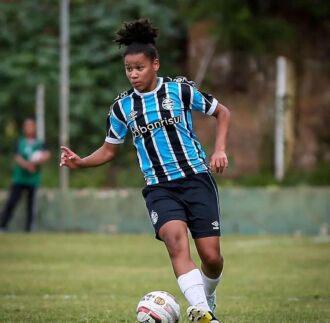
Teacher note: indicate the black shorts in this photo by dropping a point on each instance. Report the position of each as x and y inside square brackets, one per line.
[193, 199]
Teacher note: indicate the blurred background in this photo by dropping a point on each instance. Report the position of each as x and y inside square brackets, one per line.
[267, 61]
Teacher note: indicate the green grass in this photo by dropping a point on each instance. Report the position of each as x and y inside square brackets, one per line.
[99, 278]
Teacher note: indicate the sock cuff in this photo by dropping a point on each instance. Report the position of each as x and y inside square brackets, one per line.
[189, 279]
[211, 280]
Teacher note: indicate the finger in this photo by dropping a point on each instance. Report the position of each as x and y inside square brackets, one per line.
[218, 165]
[63, 162]
[221, 165]
[224, 164]
[66, 150]
[212, 165]
[63, 155]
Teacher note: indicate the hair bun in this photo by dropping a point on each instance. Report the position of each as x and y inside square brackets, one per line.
[138, 31]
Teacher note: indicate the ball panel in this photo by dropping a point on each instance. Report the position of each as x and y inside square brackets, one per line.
[159, 303]
[145, 315]
[36, 156]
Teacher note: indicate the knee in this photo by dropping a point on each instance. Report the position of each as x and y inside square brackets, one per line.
[175, 246]
[214, 261]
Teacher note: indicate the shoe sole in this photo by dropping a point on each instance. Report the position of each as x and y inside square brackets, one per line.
[198, 315]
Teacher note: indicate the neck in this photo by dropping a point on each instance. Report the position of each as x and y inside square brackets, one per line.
[153, 84]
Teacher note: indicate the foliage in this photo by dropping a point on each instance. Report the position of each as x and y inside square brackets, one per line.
[260, 25]
[320, 176]
[30, 55]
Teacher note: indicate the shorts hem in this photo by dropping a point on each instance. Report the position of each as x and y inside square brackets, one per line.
[164, 222]
[205, 234]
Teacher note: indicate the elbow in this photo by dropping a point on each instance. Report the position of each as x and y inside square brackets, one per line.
[228, 114]
[111, 151]
[222, 112]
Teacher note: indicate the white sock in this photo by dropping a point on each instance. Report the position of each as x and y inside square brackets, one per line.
[210, 284]
[191, 285]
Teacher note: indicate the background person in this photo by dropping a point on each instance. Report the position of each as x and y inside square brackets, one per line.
[180, 191]
[30, 154]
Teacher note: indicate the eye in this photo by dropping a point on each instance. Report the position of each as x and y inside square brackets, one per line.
[140, 68]
[129, 69]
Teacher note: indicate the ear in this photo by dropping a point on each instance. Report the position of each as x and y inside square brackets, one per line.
[156, 64]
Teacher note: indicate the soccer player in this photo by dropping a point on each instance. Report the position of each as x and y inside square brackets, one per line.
[180, 193]
[30, 154]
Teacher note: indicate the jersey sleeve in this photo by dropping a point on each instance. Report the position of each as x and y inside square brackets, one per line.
[116, 127]
[197, 100]
[203, 102]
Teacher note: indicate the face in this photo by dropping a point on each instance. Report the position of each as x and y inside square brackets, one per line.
[29, 128]
[141, 71]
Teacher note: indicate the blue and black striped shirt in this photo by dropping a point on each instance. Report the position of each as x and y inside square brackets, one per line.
[161, 125]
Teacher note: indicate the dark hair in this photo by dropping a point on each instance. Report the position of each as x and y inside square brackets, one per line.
[139, 37]
[30, 118]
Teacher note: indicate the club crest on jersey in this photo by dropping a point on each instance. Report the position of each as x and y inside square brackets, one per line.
[167, 104]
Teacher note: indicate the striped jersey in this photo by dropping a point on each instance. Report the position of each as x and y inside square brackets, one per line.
[161, 125]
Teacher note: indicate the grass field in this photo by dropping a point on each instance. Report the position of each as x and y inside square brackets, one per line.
[100, 278]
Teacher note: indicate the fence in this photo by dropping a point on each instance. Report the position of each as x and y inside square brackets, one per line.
[300, 210]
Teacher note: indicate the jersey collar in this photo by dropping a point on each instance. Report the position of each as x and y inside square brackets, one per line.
[159, 84]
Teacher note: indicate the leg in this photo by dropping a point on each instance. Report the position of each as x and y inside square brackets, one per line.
[168, 216]
[204, 224]
[212, 264]
[209, 251]
[175, 236]
[31, 208]
[14, 196]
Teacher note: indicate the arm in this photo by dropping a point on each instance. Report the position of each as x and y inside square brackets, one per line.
[45, 156]
[218, 160]
[30, 167]
[102, 155]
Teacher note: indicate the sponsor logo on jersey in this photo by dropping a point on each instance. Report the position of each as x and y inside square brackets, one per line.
[154, 217]
[132, 115]
[182, 79]
[121, 95]
[167, 104]
[215, 225]
[140, 130]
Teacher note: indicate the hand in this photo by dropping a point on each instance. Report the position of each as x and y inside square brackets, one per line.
[30, 167]
[69, 158]
[218, 161]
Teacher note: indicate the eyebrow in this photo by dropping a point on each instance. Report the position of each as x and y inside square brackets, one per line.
[134, 64]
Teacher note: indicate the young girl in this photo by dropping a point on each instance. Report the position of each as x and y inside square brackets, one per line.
[180, 193]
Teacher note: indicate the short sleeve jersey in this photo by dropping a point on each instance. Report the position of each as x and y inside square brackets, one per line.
[162, 128]
[25, 149]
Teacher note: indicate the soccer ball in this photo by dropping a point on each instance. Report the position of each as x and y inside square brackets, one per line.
[158, 307]
[36, 156]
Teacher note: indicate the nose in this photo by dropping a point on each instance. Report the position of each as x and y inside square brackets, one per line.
[134, 74]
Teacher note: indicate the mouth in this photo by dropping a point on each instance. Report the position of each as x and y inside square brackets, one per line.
[136, 84]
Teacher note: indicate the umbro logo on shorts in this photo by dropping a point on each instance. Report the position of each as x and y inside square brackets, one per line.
[215, 225]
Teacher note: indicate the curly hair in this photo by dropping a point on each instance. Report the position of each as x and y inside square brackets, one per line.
[139, 37]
